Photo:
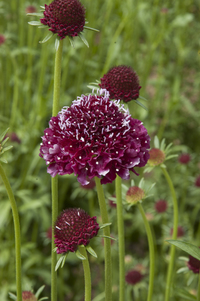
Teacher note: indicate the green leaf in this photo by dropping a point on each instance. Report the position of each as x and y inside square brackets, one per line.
[90, 28]
[105, 225]
[50, 34]
[12, 296]
[184, 294]
[143, 98]
[162, 145]
[60, 262]
[181, 270]
[57, 43]
[3, 160]
[187, 247]
[44, 298]
[83, 39]
[79, 255]
[34, 23]
[140, 104]
[156, 142]
[91, 251]
[39, 291]
[3, 134]
[35, 14]
[104, 236]
[71, 41]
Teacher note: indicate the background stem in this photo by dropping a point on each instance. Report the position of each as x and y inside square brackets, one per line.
[151, 251]
[120, 224]
[54, 181]
[87, 275]
[107, 243]
[174, 236]
[17, 232]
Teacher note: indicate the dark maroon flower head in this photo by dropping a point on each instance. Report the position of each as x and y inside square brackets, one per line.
[122, 83]
[161, 206]
[197, 182]
[31, 9]
[184, 159]
[94, 137]
[2, 39]
[28, 296]
[64, 17]
[194, 264]
[133, 277]
[74, 227]
[180, 232]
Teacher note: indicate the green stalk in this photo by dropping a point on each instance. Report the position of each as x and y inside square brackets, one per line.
[17, 232]
[54, 181]
[87, 275]
[107, 243]
[151, 251]
[174, 236]
[198, 292]
[120, 224]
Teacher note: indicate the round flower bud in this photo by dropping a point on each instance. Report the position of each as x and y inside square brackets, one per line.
[31, 9]
[134, 195]
[74, 227]
[2, 39]
[133, 277]
[122, 83]
[28, 296]
[64, 17]
[184, 159]
[95, 137]
[161, 206]
[197, 181]
[157, 157]
[180, 231]
[194, 264]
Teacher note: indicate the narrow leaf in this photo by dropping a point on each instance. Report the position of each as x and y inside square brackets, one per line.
[90, 28]
[162, 145]
[34, 23]
[71, 41]
[50, 34]
[39, 291]
[91, 251]
[156, 142]
[3, 160]
[181, 270]
[44, 298]
[187, 247]
[12, 296]
[63, 262]
[57, 43]
[3, 134]
[4, 141]
[59, 262]
[105, 225]
[140, 104]
[35, 14]
[83, 39]
[104, 236]
[79, 255]
[143, 98]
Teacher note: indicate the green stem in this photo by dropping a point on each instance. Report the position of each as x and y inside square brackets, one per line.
[87, 275]
[107, 243]
[120, 224]
[198, 292]
[174, 236]
[54, 181]
[151, 251]
[17, 233]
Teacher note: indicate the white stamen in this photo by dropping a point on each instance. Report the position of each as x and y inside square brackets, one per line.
[58, 228]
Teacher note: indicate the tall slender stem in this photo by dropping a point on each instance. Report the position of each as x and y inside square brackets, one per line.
[17, 232]
[174, 236]
[107, 243]
[151, 251]
[120, 224]
[198, 291]
[87, 275]
[54, 181]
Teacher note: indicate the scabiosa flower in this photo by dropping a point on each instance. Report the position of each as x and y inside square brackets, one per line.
[184, 159]
[64, 17]
[122, 83]
[134, 195]
[157, 157]
[197, 181]
[180, 232]
[74, 227]
[28, 296]
[161, 206]
[2, 39]
[133, 277]
[193, 264]
[95, 137]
